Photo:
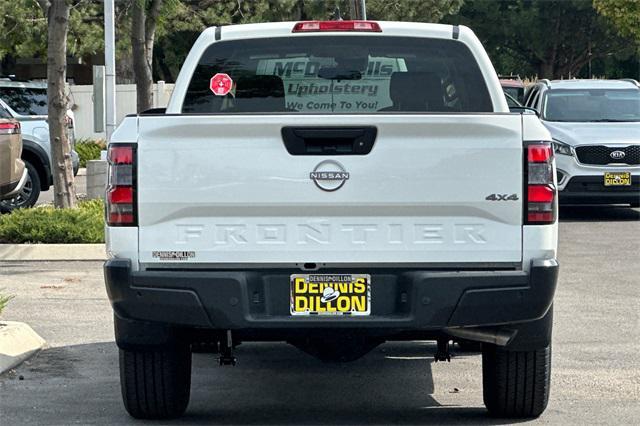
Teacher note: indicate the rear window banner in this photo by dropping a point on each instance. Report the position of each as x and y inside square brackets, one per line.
[306, 92]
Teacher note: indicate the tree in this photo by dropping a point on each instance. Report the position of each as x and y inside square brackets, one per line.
[24, 28]
[625, 15]
[180, 26]
[552, 39]
[144, 21]
[57, 12]
[412, 10]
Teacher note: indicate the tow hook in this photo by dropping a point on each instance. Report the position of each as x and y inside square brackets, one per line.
[225, 349]
[442, 353]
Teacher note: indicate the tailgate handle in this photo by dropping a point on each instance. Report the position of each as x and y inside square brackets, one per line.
[329, 140]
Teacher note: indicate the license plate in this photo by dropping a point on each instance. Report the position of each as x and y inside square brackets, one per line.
[330, 294]
[617, 179]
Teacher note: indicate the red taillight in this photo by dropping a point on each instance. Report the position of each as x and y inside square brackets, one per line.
[541, 203]
[318, 26]
[10, 128]
[121, 195]
[540, 194]
[121, 192]
[120, 154]
[539, 153]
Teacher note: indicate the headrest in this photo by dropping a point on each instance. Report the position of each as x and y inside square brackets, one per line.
[259, 86]
[418, 91]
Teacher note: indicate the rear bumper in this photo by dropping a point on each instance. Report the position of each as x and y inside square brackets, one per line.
[402, 300]
[591, 190]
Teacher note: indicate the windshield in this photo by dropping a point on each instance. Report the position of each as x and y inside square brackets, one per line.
[337, 74]
[592, 105]
[516, 92]
[25, 101]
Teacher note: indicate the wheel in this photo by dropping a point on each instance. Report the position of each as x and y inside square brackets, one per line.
[155, 384]
[635, 205]
[516, 384]
[29, 194]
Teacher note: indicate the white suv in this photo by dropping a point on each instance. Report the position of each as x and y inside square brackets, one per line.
[595, 125]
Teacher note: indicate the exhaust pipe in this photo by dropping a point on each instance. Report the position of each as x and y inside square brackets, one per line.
[494, 336]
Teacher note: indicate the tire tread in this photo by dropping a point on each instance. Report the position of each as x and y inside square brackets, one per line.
[516, 383]
[155, 384]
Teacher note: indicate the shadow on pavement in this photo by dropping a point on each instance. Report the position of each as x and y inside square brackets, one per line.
[273, 384]
[598, 213]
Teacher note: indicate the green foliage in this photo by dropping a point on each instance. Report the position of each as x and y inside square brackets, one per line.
[550, 39]
[625, 15]
[89, 149]
[47, 225]
[412, 10]
[4, 300]
[182, 22]
[24, 29]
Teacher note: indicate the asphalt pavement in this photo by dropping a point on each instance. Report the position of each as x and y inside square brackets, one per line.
[596, 353]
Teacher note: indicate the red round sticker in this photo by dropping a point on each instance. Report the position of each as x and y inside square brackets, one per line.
[221, 84]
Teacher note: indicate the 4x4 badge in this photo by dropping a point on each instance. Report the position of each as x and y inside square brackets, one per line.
[329, 175]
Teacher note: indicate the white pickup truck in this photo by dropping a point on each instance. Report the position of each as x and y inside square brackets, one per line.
[334, 185]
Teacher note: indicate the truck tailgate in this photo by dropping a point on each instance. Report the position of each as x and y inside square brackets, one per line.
[225, 190]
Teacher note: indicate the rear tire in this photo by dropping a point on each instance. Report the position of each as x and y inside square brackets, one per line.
[516, 383]
[155, 383]
[29, 194]
[635, 205]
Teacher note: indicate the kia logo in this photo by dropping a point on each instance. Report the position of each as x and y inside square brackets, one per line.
[617, 155]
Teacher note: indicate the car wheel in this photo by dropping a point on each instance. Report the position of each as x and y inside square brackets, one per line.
[516, 383]
[29, 194]
[635, 205]
[155, 383]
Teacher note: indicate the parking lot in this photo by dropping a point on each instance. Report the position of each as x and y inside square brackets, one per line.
[596, 354]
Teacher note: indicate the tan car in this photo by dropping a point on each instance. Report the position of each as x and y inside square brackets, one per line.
[13, 174]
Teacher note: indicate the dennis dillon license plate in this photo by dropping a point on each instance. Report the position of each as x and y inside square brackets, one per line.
[330, 294]
[617, 179]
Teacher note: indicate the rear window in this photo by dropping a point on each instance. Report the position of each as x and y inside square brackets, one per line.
[25, 101]
[339, 74]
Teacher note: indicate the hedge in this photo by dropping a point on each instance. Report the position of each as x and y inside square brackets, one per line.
[48, 225]
[4, 300]
[89, 149]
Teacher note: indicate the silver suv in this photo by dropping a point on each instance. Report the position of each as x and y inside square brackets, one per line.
[595, 125]
[27, 103]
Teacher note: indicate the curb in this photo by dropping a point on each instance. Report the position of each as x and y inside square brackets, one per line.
[30, 252]
[18, 342]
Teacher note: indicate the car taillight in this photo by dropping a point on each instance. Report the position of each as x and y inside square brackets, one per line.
[10, 128]
[121, 192]
[318, 26]
[541, 193]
